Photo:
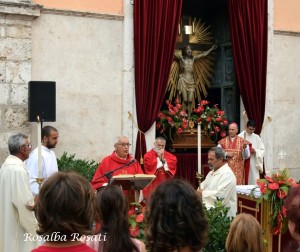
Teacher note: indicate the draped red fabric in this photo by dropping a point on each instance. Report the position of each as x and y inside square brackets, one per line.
[155, 28]
[248, 20]
[187, 166]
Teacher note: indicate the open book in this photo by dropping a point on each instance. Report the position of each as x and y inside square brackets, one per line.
[132, 182]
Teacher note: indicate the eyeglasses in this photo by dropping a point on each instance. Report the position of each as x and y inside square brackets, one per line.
[28, 145]
[251, 129]
[124, 144]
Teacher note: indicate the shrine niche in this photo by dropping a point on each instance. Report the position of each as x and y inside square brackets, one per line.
[188, 84]
[192, 69]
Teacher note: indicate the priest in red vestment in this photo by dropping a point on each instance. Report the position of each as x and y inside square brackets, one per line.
[159, 162]
[120, 157]
[237, 152]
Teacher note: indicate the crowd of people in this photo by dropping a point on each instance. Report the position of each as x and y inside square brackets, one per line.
[70, 213]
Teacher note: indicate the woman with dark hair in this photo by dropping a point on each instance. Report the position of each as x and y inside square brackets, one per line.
[175, 218]
[292, 204]
[245, 235]
[64, 209]
[112, 208]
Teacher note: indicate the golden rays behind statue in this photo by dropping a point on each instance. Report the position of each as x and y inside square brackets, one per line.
[191, 72]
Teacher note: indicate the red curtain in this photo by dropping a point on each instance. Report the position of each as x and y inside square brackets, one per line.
[248, 20]
[187, 166]
[155, 28]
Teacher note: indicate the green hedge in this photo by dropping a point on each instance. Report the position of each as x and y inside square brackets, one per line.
[86, 168]
[219, 224]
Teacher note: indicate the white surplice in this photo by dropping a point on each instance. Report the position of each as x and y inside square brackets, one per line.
[49, 166]
[256, 159]
[15, 219]
[220, 184]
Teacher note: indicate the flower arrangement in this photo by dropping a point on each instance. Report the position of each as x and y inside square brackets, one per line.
[174, 120]
[274, 188]
[136, 221]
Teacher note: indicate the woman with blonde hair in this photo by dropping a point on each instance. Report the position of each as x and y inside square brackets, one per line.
[245, 235]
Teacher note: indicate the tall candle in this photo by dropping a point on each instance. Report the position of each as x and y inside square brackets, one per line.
[199, 147]
[39, 147]
[282, 157]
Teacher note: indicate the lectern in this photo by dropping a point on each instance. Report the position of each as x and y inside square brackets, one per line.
[132, 183]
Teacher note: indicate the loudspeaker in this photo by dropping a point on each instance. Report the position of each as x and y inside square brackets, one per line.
[42, 101]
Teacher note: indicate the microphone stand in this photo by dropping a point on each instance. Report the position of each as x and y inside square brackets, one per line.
[109, 174]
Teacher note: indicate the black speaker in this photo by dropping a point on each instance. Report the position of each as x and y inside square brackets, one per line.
[42, 101]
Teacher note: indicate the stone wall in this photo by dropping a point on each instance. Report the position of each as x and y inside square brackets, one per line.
[15, 67]
[83, 54]
[286, 113]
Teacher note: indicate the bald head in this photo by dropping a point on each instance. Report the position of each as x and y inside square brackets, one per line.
[233, 129]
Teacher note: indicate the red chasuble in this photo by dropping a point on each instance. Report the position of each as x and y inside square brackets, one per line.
[110, 163]
[236, 162]
[150, 166]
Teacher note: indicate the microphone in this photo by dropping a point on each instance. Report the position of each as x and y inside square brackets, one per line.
[109, 174]
[131, 161]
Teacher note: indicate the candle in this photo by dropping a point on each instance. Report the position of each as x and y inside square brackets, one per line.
[281, 157]
[199, 147]
[39, 147]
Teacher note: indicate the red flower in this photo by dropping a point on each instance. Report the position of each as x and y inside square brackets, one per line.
[182, 113]
[139, 218]
[273, 186]
[131, 211]
[225, 121]
[169, 119]
[134, 231]
[199, 110]
[179, 130]
[260, 182]
[276, 230]
[161, 115]
[283, 210]
[178, 106]
[158, 125]
[281, 194]
[220, 112]
[223, 134]
[171, 112]
[263, 188]
[217, 129]
[208, 119]
[281, 182]
[204, 102]
[269, 179]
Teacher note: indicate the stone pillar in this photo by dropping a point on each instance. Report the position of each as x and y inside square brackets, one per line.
[268, 127]
[15, 68]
